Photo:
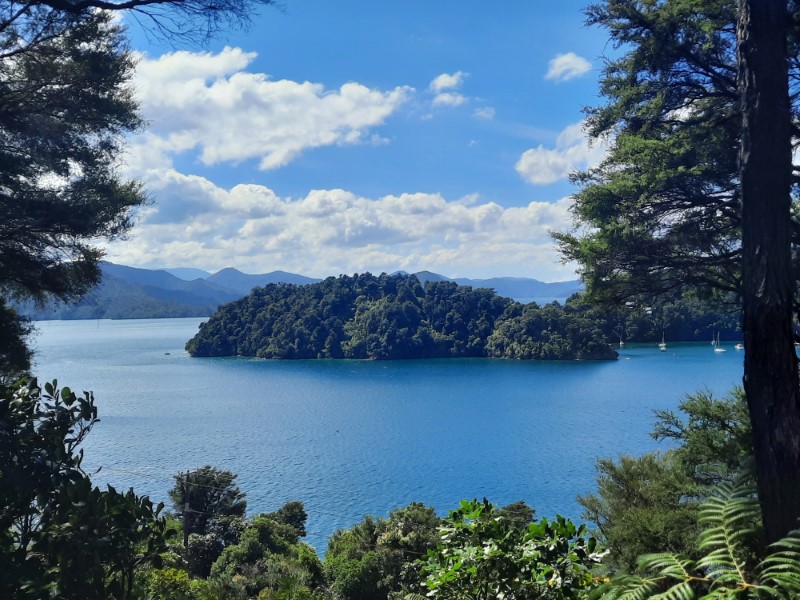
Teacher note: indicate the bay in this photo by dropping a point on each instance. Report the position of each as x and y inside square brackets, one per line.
[350, 438]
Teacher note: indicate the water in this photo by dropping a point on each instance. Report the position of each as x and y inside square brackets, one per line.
[350, 438]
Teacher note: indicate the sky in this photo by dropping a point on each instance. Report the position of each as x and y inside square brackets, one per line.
[351, 135]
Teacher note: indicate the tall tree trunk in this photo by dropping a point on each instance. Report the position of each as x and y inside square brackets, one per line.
[770, 363]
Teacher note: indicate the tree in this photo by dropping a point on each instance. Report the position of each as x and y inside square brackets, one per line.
[770, 363]
[269, 560]
[204, 496]
[483, 555]
[714, 437]
[377, 558]
[642, 504]
[60, 535]
[696, 192]
[651, 503]
[661, 213]
[65, 107]
[292, 513]
[173, 20]
[15, 356]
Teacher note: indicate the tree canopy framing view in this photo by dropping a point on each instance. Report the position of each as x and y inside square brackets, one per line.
[697, 195]
[696, 192]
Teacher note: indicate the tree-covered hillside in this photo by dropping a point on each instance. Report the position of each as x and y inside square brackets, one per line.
[394, 316]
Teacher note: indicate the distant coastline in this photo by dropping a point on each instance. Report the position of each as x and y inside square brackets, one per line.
[133, 293]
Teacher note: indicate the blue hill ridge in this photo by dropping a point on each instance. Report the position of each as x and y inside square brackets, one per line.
[130, 292]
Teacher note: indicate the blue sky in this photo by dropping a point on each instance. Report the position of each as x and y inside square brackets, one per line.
[341, 137]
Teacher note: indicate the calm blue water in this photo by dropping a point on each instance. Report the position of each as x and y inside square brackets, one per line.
[350, 438]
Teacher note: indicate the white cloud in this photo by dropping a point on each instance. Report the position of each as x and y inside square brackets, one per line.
[447, 81]
[208, 103]
[573, 151]
[485, 113]
[328, 232]
[449, 99]
[567, 66]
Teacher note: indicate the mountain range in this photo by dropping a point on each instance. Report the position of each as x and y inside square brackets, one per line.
[133, 293]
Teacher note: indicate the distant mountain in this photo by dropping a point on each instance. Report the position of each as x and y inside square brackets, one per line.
[133, 293]
[519, 287]
[165, 286]
[426, 276]
[188, 274]
[130, 293]
[513, 287]
[243, 283]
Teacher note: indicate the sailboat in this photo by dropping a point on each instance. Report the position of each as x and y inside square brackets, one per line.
[716, 345]
[662, 346]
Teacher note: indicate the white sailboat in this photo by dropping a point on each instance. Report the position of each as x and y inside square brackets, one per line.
[662, 346]
[717, 346]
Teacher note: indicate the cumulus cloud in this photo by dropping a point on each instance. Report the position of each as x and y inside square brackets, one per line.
[573, 151]
[327, 232]
[567, 66]
[449, 99]
[444, 87]
[208, 103]
[447, 81]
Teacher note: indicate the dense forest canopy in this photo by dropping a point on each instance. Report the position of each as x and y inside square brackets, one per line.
[395, 316]
[390, 316]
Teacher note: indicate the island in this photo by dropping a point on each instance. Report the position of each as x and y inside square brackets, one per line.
[395, 316]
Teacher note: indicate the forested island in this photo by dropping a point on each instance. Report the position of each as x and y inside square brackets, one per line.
[365, 316]
[393, 316]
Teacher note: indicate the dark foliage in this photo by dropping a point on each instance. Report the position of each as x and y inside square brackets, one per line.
[205, 496]
[388, 317]
[394, 316]
[377, 558]
[59, 535]
[15, 356]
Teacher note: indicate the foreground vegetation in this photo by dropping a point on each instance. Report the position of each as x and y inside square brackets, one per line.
[683, 523]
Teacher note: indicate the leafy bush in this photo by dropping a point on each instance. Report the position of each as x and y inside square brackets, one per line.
[376, 559]
[483, 555]
[59, 534]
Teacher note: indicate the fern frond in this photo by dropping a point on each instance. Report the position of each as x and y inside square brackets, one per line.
[631, 587]
[667, 564]
[731, 594]
[729, 519]
[737, 511]
[719, 561]
[781, 561]
[784, 586]
[682, 591]
[781, 568]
